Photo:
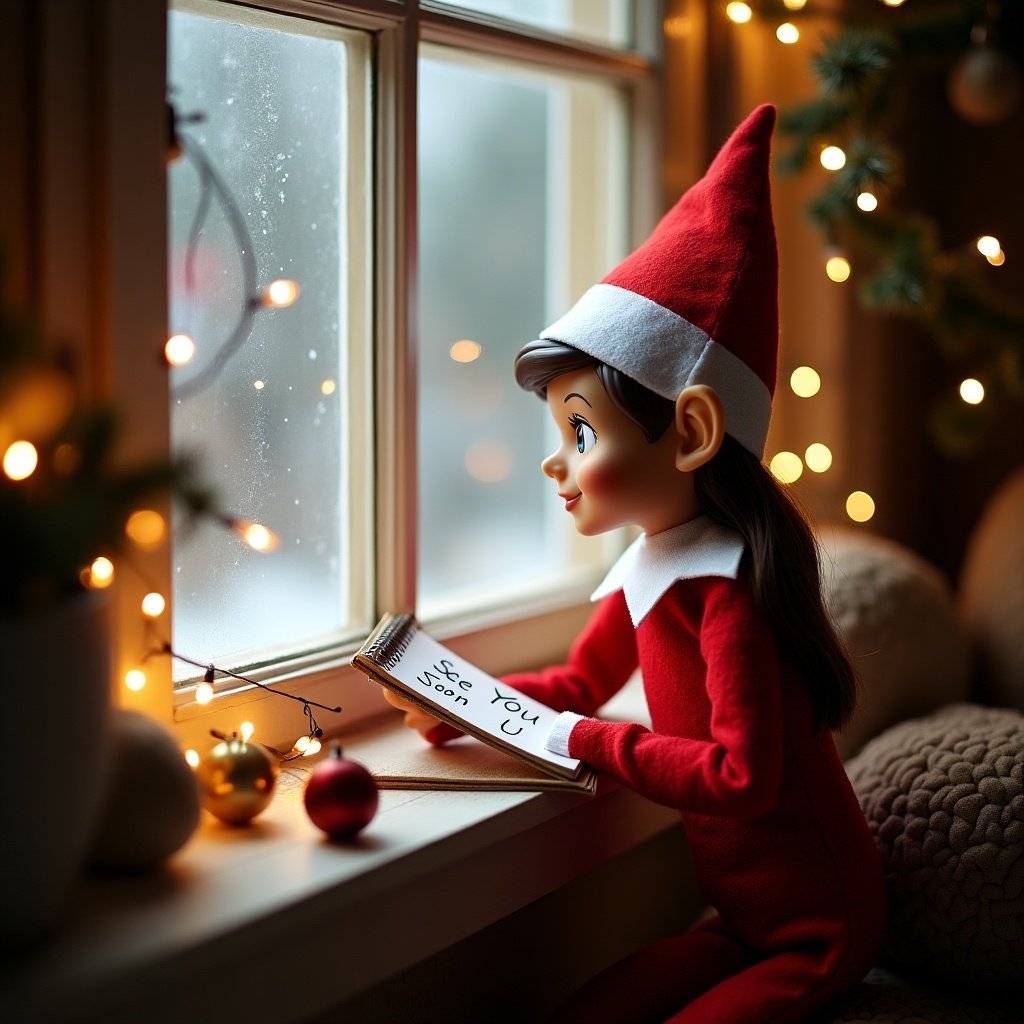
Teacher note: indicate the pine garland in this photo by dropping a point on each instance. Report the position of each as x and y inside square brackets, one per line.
[907, 273]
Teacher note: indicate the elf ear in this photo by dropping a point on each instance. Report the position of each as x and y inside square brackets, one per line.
[700, 426]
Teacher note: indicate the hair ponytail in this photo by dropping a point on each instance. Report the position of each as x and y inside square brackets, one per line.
[736, 489]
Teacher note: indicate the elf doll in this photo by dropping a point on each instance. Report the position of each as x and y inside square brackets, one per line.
[660, 380]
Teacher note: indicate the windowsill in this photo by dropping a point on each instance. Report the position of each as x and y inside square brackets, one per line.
[276, 921]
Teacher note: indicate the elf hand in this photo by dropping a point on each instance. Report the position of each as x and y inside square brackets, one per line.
[432, 729]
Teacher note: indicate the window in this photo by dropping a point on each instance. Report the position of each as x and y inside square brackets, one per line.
[374, 425]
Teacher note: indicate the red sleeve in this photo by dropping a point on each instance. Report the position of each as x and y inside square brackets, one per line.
[735, 773]
[601, 660]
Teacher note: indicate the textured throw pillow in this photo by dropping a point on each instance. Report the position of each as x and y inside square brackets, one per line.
[897, 617]
[944, 798]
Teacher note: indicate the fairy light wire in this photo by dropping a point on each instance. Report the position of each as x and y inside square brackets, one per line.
[210, 672]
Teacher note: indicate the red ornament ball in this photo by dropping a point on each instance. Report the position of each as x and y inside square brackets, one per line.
[341, 796]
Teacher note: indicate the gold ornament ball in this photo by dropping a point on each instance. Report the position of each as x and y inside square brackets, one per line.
[985, 85]
[237, 780]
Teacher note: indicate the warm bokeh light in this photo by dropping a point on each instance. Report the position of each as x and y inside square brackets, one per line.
[281, 293]
[738, 12]
[972, 391]
[135, 679]
[989, 246]
[101, 573]
[328, 387]
[259, 385]
[313, 748]
[179, 350]
[787, 33]
[867, 201]
[302, 744]
[894, 3]
[837, 268]
[794, 5]
[192, 758]
[805, 382]
[256, 535]
[488, 460]
[20, 460]
[786, 467]
[146, 528]
[998, 260]
[153, 605]
[832, 158]
[204, 693]
[818, 457]
[245, 730]
[465, 351]
[860, 506]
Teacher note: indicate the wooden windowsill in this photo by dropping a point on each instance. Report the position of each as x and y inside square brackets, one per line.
[274, 921]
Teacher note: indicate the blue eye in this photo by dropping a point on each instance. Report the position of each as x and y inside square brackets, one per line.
[585, 436]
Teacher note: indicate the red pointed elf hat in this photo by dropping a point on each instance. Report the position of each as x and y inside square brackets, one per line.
[697, 303]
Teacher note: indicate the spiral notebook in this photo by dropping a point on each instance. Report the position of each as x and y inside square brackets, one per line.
[400, 655]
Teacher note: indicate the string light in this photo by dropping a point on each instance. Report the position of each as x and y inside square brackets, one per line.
[998, 260]
[20, 460]
[739, 13]
[245, 730]
[988, 246]
[894, 3]
[135, 679]
[867, 201]
[465, 351]
[179, 350]
[280, 293]
[832, 158]
[972, 391]
[145, 528]
[805, 382]
[259, 537]
[786, 467]
[304, 746]
[787, 33]
[794, 5]
[153, 605]
[100, 574]
[818, 457]
[860, 506]
[192, 758]
[837, 268]
[328, 387]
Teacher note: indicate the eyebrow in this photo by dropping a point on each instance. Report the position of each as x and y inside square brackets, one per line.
[575, 394]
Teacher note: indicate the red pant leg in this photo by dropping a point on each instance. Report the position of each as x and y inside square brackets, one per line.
[653, 983]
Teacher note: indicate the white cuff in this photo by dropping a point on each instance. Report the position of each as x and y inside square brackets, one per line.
[558, 737]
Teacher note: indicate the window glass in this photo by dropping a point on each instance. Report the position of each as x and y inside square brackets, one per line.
[607, 22]
[268, 411]
[522, 200]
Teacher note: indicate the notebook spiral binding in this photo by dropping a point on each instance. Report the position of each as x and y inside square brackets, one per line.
[387, 650]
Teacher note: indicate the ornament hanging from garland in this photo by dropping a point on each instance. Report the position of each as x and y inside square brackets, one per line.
[985, 83]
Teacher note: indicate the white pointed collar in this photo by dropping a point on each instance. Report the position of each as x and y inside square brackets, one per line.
[650, 565]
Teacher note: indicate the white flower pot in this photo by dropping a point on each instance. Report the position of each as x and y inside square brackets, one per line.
[54, 716]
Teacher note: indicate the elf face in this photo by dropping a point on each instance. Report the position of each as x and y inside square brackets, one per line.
[607, 473]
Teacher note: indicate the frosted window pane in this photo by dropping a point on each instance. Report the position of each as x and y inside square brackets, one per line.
[599, 21]
[270, 429]
[497, 264]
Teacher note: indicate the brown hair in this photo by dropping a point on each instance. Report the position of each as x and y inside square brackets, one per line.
[737, 490]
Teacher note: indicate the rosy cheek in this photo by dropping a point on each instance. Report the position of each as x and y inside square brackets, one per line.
[599, 476]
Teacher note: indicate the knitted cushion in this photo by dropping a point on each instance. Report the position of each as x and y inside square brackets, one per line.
[895, 613]
[944, 798]
[886, 998]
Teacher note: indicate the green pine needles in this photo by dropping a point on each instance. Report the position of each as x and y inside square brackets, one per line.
[896, 254]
